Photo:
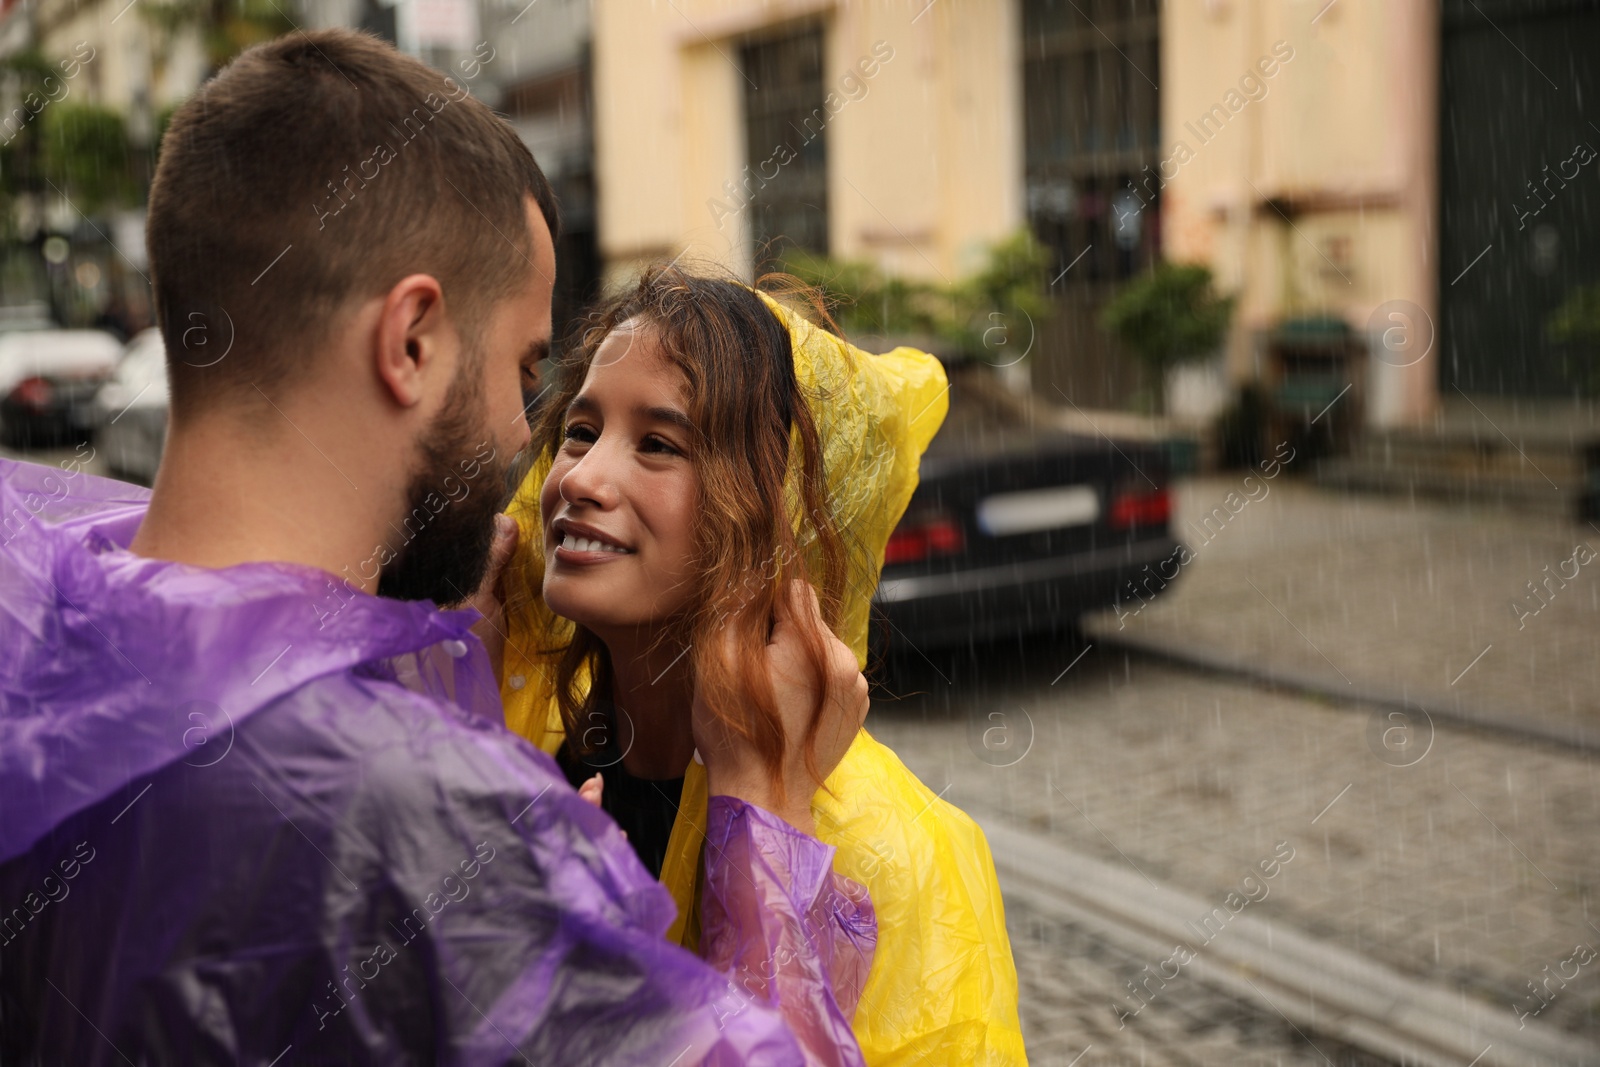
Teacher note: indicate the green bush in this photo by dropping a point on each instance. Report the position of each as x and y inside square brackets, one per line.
[227, 27]
[84, 152]
[1169, 316]
[864, 301]
[1009, 288]
[959, 319]
[1577, 322]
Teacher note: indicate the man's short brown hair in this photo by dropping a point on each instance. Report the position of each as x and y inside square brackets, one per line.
[318, 169]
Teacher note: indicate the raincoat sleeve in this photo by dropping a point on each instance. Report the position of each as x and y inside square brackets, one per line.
[786, 927]
[559, 957]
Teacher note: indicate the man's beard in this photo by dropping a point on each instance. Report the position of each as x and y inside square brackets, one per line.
[449, 522]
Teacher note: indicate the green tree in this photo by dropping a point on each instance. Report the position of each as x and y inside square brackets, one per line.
[25, 72]
[84, 153]
[227, 27]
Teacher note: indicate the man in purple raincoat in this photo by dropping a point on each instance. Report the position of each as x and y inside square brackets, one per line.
[257, 804]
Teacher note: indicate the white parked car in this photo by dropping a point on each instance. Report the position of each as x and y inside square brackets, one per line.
[48, 379]
[131, 410]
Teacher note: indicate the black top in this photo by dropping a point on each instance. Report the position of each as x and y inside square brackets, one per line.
[645, 808]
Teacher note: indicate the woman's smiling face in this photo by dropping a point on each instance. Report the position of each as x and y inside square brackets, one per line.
[620, 499]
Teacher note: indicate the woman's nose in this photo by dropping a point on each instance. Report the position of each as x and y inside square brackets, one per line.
[590, 480]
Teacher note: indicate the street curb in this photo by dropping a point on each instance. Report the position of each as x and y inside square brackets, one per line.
[1435, 706]
[1313, 984]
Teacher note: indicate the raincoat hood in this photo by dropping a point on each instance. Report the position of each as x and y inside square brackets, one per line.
[875, 416]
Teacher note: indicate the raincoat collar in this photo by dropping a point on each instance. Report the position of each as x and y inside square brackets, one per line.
[113, 665]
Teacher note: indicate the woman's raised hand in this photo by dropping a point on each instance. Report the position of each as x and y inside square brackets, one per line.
[489, 599]
[735, 768]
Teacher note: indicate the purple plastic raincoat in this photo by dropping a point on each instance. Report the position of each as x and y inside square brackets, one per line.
[253, 816]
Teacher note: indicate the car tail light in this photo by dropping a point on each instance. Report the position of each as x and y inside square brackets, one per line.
[34, 393]
[917, 539]
[1131, 508]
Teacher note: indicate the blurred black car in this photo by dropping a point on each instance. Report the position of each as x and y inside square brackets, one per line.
[48, 381]
[1018, 527]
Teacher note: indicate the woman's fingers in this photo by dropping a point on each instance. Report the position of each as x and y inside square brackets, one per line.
[861, 695]
[845, 703]
[798, 681]
[592, 790]
[805, 610]
[851, 700]
[487, 598]
[501, 549]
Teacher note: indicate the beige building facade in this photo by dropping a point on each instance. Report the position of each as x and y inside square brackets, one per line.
[1300, 143]
[138, 68]
[1295, 153]
[922, 134]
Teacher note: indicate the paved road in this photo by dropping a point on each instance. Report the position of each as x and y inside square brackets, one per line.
[1461, 857]
[1068, 977]
[1472, 868]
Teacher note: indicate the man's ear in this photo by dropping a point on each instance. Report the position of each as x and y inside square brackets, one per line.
[410, 347]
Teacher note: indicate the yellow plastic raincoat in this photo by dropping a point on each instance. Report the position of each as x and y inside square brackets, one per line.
[943, 987]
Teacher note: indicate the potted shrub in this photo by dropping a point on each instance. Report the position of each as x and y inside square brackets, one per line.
[1168, 317]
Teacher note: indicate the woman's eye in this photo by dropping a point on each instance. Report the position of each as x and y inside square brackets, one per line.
[579, 433]
[656, 444]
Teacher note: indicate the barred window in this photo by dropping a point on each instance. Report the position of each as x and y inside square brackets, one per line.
[785, 178]
[1092, 122]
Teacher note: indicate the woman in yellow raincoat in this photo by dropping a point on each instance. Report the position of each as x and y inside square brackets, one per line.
[705, 445]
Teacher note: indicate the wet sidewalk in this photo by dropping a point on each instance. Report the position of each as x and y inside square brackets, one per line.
[1462, 612]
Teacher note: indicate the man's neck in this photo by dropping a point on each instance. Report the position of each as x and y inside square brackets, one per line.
[220, 499]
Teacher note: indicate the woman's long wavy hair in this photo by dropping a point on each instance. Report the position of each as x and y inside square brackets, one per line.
[764, 515]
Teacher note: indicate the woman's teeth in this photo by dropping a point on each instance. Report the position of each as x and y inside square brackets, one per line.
[584, 544]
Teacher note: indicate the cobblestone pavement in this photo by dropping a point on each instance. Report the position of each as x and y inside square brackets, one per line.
[1497, 610]
[1066, 974]
[1474, 868]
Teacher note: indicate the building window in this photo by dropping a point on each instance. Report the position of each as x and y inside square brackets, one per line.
[785, 145]
[1093, 129]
